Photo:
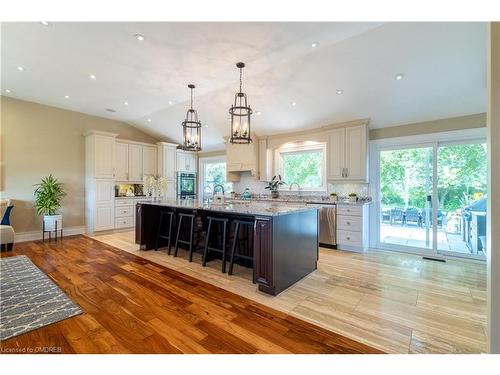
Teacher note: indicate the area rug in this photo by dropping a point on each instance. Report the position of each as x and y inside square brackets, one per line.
[29, 299]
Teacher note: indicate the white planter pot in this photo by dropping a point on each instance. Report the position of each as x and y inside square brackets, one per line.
[50, 222]
[333, 198]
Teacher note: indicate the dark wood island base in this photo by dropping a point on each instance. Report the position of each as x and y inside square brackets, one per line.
[285, 245]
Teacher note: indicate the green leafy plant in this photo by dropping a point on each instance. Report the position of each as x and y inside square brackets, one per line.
[48, 194]
[275, 183]
[333, 194]
[353, 195]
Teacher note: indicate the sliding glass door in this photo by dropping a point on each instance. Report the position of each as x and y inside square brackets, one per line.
[432, 199]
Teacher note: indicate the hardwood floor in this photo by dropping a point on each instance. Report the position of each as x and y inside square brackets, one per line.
[135, 306]
[398, 303]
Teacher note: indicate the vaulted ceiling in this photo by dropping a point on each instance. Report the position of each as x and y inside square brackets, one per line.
[443, 67]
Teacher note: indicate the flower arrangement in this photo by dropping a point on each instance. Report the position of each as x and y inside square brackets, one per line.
[274, 184]
[155, 187]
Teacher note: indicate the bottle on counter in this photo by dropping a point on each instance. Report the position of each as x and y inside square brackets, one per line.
[247, 194]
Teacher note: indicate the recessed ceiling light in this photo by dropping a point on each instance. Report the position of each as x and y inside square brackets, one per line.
[45, 23]
[340, 92]
[139, 37]
[20, 68]
[399, 77]
[206, 126]
[125, 103]
[111, 110]
[66, 96]
[314, 44]
[92, 76]
[293, 104]
[7, 91]
[170, 102]
[259, 113]
[149, 120]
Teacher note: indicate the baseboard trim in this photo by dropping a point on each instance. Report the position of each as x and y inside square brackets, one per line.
[37, 235]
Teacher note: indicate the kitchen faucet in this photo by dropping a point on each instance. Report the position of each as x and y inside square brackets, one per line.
[299, 188]
[221, 186]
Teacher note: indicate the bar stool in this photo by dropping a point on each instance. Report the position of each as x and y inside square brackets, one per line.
[222, 232]
[190, 217]
[236, 242]
[165, 215]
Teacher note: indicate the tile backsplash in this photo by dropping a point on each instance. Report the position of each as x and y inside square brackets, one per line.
[258, 187]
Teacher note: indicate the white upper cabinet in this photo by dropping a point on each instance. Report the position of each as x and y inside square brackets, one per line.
[149, 160]
[336, 154]
[265, 161]
[347, 153]
[355, 152]
[135, 162]
[104, 156]
[167, 160]
[243, 157]
[186, 162]
[121, 161]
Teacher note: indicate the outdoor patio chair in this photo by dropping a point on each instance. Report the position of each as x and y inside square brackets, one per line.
[413, 216]
[397, 214]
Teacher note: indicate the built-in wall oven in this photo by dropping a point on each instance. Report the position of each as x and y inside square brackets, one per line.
[186, 185]
[327, 224]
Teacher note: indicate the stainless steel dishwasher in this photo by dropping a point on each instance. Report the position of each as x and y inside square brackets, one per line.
[327, 224]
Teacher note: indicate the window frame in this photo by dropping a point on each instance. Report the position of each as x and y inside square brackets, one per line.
[203, 161]
[298, 149]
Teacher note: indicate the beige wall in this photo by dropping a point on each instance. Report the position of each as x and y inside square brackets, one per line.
[428, 127]
[38, 140]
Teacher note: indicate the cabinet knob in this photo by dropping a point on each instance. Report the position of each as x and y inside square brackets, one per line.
[348, 223]
[348, 238]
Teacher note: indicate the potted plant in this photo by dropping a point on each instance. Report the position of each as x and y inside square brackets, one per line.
[48, 194]
[353, 197]
[274, 184]
[333, 197]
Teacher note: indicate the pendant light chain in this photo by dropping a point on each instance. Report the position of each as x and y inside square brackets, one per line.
[191, 98]
[241, 81]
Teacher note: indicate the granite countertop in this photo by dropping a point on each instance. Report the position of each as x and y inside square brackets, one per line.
[132, 197]
[309, 200]
[263, 208]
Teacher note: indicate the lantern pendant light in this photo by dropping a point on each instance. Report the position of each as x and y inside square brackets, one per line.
[191, 128]
[240, 115]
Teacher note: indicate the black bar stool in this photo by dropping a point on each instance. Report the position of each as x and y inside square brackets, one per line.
[222, 222]
[165, 215]
[190, 217]
[237, 242]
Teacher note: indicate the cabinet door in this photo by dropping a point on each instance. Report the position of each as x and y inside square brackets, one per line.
[135, 162]
[171, 192]
[336, 154]
[104, 156]
[355, 152]
[121, 161]
[263, 252]
[191, 163]
[104, 192]
[169, 161]
[149, 159]
[104, 217]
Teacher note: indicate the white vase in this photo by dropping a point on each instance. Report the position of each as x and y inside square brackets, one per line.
[50, 222]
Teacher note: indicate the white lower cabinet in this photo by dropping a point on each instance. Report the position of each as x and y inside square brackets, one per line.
[125, 212]
[352, 227]
[104, 217]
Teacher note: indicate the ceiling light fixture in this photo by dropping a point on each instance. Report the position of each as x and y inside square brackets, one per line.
[191, 127]
[92, 76]
[170, 102]
[206, 126]
[399, 77]
[139, 37]
[7, 91]
[259, 113]
[314, 44]
[340, 92]
[66, 96]
[149, 120]
[125, 103]
[240, 113]
[20, 68]
[293, 104]
[45, 23]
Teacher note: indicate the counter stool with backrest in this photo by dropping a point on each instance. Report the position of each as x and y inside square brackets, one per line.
[165, 229]
[238, 224]
[190, 219]
[217, 227]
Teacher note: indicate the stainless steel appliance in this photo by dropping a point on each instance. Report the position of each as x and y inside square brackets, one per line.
[186, 185]
[327, 224]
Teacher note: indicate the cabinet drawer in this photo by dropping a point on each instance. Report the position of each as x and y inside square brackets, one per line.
[350, 210]
[124, 202]
[351, 223]
[124, 211]
[124, 222]
[349, 238]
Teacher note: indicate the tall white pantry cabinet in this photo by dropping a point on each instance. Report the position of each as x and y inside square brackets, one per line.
[100, 177]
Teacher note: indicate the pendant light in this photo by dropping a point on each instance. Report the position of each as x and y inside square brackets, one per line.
[240, 115]
[191, 127]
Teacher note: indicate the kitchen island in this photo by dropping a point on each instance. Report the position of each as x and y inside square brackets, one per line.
[285, 237]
